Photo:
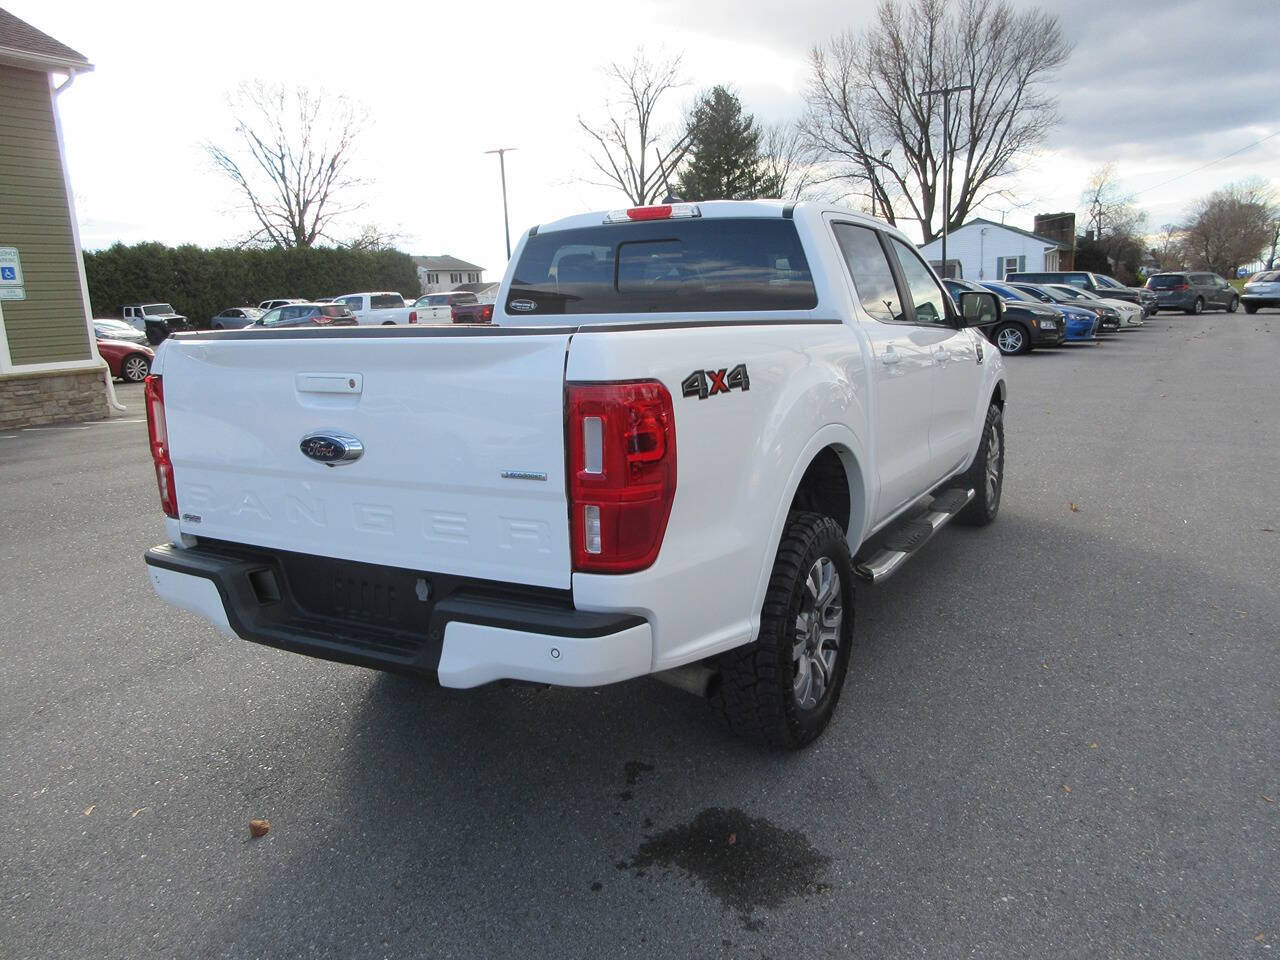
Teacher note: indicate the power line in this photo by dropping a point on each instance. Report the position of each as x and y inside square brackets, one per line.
[1205, 166]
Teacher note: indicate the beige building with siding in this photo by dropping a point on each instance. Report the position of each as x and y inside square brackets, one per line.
[49, 364]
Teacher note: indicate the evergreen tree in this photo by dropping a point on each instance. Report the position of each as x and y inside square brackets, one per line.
[725, 161]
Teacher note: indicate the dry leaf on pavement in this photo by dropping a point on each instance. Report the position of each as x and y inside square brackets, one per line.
[259, 828]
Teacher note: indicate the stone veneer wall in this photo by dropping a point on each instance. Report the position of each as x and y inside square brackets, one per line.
[30, 399]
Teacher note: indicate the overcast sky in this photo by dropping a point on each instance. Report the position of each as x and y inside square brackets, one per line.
[1160, 87]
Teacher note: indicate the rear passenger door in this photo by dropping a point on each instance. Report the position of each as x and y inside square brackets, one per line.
[902, 372]
[957, 376]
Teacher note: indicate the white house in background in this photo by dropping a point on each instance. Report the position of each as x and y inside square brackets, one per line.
[984, 250]
[444, 273]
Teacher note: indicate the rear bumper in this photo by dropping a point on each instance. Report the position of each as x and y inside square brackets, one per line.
[463, 632]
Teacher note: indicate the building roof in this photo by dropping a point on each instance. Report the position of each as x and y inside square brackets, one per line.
[23, 45]
[444, 262]
[476, 287]
[982, 221]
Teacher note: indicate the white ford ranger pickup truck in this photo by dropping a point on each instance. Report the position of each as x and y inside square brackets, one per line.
[688, 430]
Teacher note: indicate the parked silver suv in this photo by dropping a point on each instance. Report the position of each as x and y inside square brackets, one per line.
[1193, 292]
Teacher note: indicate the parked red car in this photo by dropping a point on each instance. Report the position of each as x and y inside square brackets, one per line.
[128, 361]
[471, 312]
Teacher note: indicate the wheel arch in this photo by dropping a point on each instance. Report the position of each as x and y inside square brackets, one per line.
[831, 447]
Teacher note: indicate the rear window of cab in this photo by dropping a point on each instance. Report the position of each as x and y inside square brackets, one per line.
[695, 265]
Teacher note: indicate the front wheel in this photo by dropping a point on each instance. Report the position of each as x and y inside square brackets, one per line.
[1197, 308]
[1234, 305]
[985, 475]
[783, 687]
[135, 368]
[1250, 308]
[1011, 339]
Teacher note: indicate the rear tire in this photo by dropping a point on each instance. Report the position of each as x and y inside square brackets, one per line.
[388, 323]
[1011, 339]
[782, 688]
[1197, 308]
[985, 479]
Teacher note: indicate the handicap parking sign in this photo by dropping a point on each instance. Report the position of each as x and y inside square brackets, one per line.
[10, 267]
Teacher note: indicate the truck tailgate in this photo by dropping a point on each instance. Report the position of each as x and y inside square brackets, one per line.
[463, 461]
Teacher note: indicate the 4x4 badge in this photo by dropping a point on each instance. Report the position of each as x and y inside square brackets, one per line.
[707, 383]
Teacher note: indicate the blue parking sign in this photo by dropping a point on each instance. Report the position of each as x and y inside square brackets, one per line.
[8, 273]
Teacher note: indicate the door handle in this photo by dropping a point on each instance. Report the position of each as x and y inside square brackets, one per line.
[889, 357]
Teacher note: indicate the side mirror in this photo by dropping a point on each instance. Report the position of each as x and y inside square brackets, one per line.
[980, 309]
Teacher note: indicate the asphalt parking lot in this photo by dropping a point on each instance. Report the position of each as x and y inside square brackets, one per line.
[1060, 735]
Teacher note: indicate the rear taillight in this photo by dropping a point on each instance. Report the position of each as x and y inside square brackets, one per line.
[622, 473]
[1181, 286]
[486, 313]
[158, 434]
[413, 316]
[453, 313]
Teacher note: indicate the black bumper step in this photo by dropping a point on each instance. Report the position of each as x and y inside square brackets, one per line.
[387, 618]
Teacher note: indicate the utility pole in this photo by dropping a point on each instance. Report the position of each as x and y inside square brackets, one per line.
[502, 167]
[1275, 236]
[945, 93]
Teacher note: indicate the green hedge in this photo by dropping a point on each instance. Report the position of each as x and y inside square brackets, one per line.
[200, 283]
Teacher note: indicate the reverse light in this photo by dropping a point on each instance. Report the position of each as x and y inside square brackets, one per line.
[622, 473]
[158, 435]
[663, 211]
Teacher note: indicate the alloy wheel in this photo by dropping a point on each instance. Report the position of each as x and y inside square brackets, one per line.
[136, 369]
[1009, 340]
[816, 646]
[994, 463]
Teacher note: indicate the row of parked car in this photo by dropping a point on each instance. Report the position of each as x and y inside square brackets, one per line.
[156, 321]
[1040, 310]
[375, 308]
[1049, 309]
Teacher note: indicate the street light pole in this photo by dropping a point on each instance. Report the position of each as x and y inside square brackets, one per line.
[502, 168]
[946, 92]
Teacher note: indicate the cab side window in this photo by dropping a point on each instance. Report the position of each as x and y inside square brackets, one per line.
[872, 276]
[926, 294]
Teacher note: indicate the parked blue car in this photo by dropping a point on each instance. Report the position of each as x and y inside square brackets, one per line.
[1081, 324]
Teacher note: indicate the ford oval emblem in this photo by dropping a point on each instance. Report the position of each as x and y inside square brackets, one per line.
[524, 306]
[331, 449]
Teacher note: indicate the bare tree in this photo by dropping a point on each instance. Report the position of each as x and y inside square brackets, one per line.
[1110, 211]
[633, 152]
[869, 116]
[1231, 226]
[290, 161]
[787, 161]
[1167, 246]
[373, 238]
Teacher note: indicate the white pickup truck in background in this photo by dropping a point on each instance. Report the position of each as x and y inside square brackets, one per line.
[688, 430]
[378, 309]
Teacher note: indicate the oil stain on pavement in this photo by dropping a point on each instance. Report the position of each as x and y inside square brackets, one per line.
[745, 862]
